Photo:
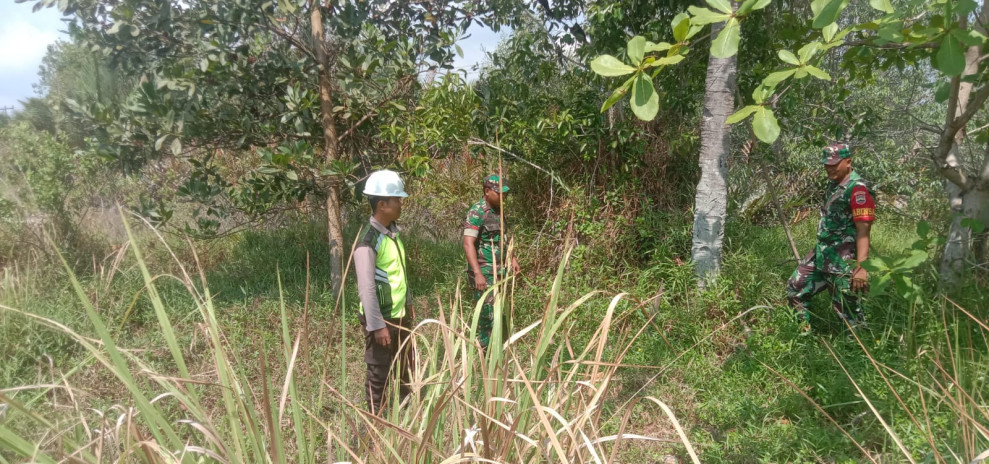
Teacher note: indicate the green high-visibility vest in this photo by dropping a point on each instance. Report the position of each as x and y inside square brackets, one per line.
[390, 281]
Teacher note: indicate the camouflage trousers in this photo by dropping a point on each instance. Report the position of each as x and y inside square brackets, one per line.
[485, 323]
[385, 362]
[807, 281]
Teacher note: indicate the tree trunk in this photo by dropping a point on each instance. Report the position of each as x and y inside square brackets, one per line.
[963, 243]
[331, 152]
[980, 207]
[711, 200]
[964, 198]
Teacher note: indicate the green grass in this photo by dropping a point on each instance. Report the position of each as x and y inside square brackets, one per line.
[727, 360]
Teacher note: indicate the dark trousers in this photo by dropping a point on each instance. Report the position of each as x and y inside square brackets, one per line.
[383, 361]
[485, 324]
[807, 281]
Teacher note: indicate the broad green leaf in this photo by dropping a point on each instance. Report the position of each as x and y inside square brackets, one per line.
[761, 93]
[788, 57]
[916, 258]
[876, 289]
[965, 7]
[829, 31]
[617, 94]
[750, 5]
[905, 285]
[801, 73]
[829, 11]
[703, 16]
[882, 5]
[288, 6]
[681, 24]
[694, 29]
[836, 41]
[808, 51]
[160, 141]
[891, 31]
[970, 38]
[765, 126]
[636, 49]
[726, 43]
[775, 78]
[460, 51]
[742, 114]
[976, 225]
[875, 264]
[950, 56]
[923, 228]
[657, 47]
[645, 100]
[607, 65]
[721, 5]
[667, 60]
[818, 73]
[176, 146]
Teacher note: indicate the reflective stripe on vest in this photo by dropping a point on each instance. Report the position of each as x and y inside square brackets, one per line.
[389, 276]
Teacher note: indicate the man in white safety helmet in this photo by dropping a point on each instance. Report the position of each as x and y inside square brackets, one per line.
[382, 284]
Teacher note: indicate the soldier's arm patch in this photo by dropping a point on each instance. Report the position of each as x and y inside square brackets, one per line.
[473, 223]
[863, 206]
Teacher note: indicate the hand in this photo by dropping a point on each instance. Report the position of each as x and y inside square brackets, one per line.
[515, 266]
[382, 336]
[860, 280]
[480, 282]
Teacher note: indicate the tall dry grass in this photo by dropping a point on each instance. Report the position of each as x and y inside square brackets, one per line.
[533, 397]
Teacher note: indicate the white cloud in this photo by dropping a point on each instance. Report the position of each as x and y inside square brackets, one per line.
[24, 39]
[22, 45]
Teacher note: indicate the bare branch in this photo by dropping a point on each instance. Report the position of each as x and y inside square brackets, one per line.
[483, 143]
[924, 125]
[292, 39]
[947, 139]
[890, 46]
[984, 173]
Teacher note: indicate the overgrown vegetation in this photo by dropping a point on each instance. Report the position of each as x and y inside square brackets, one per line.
[727, 361]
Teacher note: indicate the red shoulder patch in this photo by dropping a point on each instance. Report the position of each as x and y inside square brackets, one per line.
[862, 204]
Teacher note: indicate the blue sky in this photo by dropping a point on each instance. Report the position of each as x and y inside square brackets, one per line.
[25, 36]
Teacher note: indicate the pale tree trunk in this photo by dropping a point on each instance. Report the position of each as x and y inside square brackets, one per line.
[711, 200]
[980, 206]
[968, 196]
[330, 152]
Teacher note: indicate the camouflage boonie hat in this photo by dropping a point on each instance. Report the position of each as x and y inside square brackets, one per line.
[493, 181]
[835, 153]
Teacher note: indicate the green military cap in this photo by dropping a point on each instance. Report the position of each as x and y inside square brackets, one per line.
[493, 181]
[833, 154]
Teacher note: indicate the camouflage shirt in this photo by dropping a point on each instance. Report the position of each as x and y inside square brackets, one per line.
[485, 224]
[848, 202]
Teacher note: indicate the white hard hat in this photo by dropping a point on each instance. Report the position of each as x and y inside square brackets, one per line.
[385, 183]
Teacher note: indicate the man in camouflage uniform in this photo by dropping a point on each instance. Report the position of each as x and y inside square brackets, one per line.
[484, 246]
[842, 236]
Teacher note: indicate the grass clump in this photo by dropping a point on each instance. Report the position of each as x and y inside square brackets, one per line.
[536, 396]
[598, 360]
